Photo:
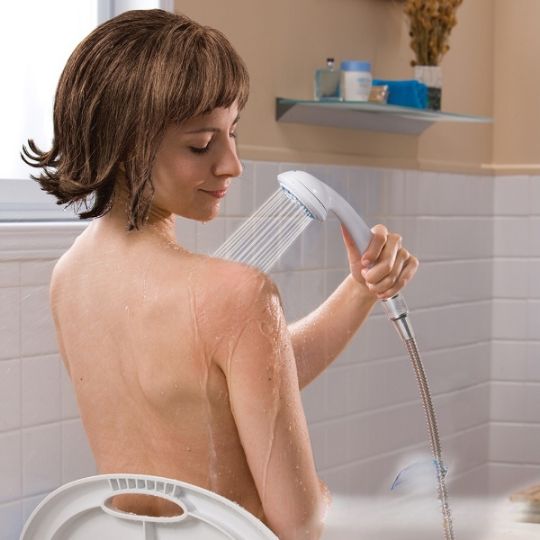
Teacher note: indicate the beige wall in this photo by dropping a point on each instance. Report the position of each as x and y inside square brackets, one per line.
[516, 141]
[468, 89]
[284, 41]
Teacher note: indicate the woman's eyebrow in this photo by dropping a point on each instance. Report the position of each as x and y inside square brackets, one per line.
[212, 129]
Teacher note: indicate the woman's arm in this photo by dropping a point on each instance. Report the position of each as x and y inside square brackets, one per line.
[259, 365]
[381, 272]
[319, 338]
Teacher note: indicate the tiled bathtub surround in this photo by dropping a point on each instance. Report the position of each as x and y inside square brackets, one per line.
[515, 386]
[475, 303]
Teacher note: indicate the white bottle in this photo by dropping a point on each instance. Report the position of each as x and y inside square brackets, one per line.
[355, 80]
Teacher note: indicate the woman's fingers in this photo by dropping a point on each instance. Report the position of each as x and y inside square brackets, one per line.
[352, 249]
[385, 263]
[385, 267]
[376, 246]
[404, 269]
[382, 282]
[408, 271]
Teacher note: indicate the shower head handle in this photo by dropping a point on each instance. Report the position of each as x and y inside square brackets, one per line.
[357, 227]
[319, 199]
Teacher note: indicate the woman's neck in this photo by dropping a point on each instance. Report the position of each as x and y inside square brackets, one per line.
[158, 221]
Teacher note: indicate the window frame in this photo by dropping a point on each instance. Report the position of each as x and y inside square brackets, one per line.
[20, 201]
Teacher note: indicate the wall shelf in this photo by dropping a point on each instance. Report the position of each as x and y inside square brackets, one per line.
[367, 116]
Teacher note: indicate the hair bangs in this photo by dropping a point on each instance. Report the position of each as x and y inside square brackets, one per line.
[217, 77]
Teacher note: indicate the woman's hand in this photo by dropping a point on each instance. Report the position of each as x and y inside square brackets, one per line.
[386, 267]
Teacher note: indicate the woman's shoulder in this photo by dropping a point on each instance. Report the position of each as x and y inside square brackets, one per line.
[61, 272]
[230, 293]
[234, 283]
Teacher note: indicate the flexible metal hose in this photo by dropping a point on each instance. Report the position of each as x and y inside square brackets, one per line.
[433, 431]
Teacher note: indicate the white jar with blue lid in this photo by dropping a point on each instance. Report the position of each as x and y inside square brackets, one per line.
[355, 80]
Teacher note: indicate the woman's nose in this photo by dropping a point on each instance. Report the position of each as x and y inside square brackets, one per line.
[228, 163]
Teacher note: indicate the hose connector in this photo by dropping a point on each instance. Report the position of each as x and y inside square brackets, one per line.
[397, 311]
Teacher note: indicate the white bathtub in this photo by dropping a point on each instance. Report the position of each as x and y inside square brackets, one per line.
[362, 518]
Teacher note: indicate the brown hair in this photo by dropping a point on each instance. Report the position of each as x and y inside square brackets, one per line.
[121, 87]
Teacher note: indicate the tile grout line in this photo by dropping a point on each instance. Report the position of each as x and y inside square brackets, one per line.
[408, 448]
[386, 408]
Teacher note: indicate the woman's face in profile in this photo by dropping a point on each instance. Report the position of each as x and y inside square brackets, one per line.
[195, 159]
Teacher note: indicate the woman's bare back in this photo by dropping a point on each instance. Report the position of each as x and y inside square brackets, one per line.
[183, 367]
[132, 321]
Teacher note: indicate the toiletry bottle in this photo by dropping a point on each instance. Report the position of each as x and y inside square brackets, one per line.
[355, 80]
[326, 84]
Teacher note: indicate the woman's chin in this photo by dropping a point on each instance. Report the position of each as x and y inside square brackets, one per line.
[202, 215]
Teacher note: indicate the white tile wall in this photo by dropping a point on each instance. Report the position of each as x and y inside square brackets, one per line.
[467, 449]
[10, 394]
[514, 443]
[37, 327]
[511, 196]
[69, 402]
[515, 401]
[41, 458]
[10, 466]
[9, 322]
[511, 278]
[11, 519]
[507, 477]
[534, 195]
[77, 460]
[40, 390]
[476, 303]
[9, 274]
[515, 409]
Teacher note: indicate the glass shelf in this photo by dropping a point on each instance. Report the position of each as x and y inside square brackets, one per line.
[367, 116]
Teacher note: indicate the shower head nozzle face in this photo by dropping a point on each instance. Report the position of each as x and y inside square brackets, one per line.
[319, 199]
[298, 202]
[308, 191]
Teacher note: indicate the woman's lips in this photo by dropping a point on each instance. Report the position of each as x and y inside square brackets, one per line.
[217, 194]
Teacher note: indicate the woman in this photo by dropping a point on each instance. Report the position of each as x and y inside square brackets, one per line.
[183, 365]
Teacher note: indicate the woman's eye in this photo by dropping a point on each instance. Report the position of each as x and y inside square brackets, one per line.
[197, 150]
[204, 149]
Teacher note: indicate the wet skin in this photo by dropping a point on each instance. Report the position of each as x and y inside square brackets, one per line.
[182, 364]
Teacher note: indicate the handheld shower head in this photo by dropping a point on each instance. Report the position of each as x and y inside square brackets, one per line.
[318, 199]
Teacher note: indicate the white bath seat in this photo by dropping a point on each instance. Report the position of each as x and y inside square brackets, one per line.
[81, 510]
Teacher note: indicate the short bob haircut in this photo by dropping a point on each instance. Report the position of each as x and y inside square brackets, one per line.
[122, 86]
